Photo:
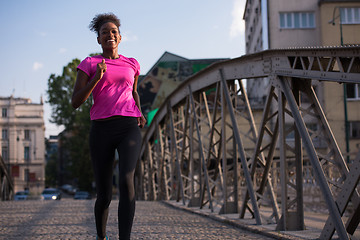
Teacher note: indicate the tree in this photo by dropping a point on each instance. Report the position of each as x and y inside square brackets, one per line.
[51, 171]
[59, 91]
[76, 123]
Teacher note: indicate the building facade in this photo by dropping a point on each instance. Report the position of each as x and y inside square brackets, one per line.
[22, 142]
[340, 25]
[165, 76]
[280, 24]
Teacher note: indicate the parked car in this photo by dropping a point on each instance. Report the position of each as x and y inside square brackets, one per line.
[21, 195]
[67, 188]
[82, 195]
[51, 194]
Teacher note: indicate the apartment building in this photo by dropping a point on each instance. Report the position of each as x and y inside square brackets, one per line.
[340, 25]
[281, 24]
[23, 142]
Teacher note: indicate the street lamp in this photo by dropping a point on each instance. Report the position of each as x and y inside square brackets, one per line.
[332, 21]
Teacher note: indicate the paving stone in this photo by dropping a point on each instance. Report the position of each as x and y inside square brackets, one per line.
[73, 219]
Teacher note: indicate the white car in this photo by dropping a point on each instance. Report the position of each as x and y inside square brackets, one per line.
[51, 194]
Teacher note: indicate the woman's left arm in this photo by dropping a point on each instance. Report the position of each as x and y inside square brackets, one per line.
[142, 119]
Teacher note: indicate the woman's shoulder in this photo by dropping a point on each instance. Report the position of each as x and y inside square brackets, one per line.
[91, 58]
[131, 60]
[88, 65]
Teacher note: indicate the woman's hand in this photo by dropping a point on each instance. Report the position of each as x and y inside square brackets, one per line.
[141, 121]
[100, 70]
[82, 88]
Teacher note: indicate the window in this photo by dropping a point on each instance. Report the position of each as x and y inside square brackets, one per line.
[27, 153]
[4, 134]
[27, 134]
[353, 91]
[4, 112]
[354, 129]
[5, 153]
[26, 175]
[297, 20]
[350, 15]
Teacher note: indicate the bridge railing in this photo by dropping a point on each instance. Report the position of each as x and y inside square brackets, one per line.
[205, 149]
[6, 183]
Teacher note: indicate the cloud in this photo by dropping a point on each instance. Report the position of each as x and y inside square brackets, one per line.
[37, 66]
[238, 25]
[43, 34]
[128, 37]
[62, 50]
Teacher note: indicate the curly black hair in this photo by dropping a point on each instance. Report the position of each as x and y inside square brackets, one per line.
[100, 19]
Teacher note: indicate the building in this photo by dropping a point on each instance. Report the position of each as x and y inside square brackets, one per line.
[52, 159]
[279, 24]
[51, 146]
[64, 160]
[340, 22]
[22, 142]
[276, 24]
[340, 25]
[167, 73]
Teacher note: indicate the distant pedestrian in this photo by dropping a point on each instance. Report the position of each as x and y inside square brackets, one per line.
[116, 117]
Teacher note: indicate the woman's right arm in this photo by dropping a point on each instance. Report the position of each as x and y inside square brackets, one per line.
[83, 88]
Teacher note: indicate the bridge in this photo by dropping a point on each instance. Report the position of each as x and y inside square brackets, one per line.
[6, 183]
[204, 148]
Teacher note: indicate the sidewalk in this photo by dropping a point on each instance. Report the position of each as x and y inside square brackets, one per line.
[314, 223]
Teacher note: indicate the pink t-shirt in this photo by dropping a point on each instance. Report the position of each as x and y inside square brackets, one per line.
[113, 93]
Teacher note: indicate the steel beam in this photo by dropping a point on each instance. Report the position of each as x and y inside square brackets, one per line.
[174, 148]
[350, 184]
[242, 155]
[258, 158]
[201, 150]
[6, 182]
[320, 177]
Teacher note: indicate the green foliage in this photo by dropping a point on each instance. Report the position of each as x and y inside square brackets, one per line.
[79, 168]
[59, 92]
[51, 171]
[74, 140]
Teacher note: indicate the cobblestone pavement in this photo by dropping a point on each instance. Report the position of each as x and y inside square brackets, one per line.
[73, 219]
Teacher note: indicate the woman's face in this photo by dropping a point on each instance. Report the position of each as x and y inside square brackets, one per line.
[109, 36]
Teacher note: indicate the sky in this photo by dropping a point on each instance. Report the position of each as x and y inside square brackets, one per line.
[40, 37]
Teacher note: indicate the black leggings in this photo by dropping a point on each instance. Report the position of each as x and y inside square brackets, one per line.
[121, 134]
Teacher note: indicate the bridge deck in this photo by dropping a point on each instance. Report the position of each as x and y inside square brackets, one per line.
[73, 219]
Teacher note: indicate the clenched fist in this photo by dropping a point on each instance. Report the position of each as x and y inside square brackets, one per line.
[100, 69]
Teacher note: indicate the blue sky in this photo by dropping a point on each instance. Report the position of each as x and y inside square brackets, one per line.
[40, 37]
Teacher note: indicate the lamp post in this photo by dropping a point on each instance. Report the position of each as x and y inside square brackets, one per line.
[344, 85]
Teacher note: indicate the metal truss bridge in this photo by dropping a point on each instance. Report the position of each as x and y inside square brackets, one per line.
[6, 183]
[204, 148]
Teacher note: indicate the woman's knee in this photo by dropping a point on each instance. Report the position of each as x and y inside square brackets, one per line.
[103, 200]
[126, 183]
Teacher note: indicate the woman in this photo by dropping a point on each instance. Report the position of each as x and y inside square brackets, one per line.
[116, 117]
